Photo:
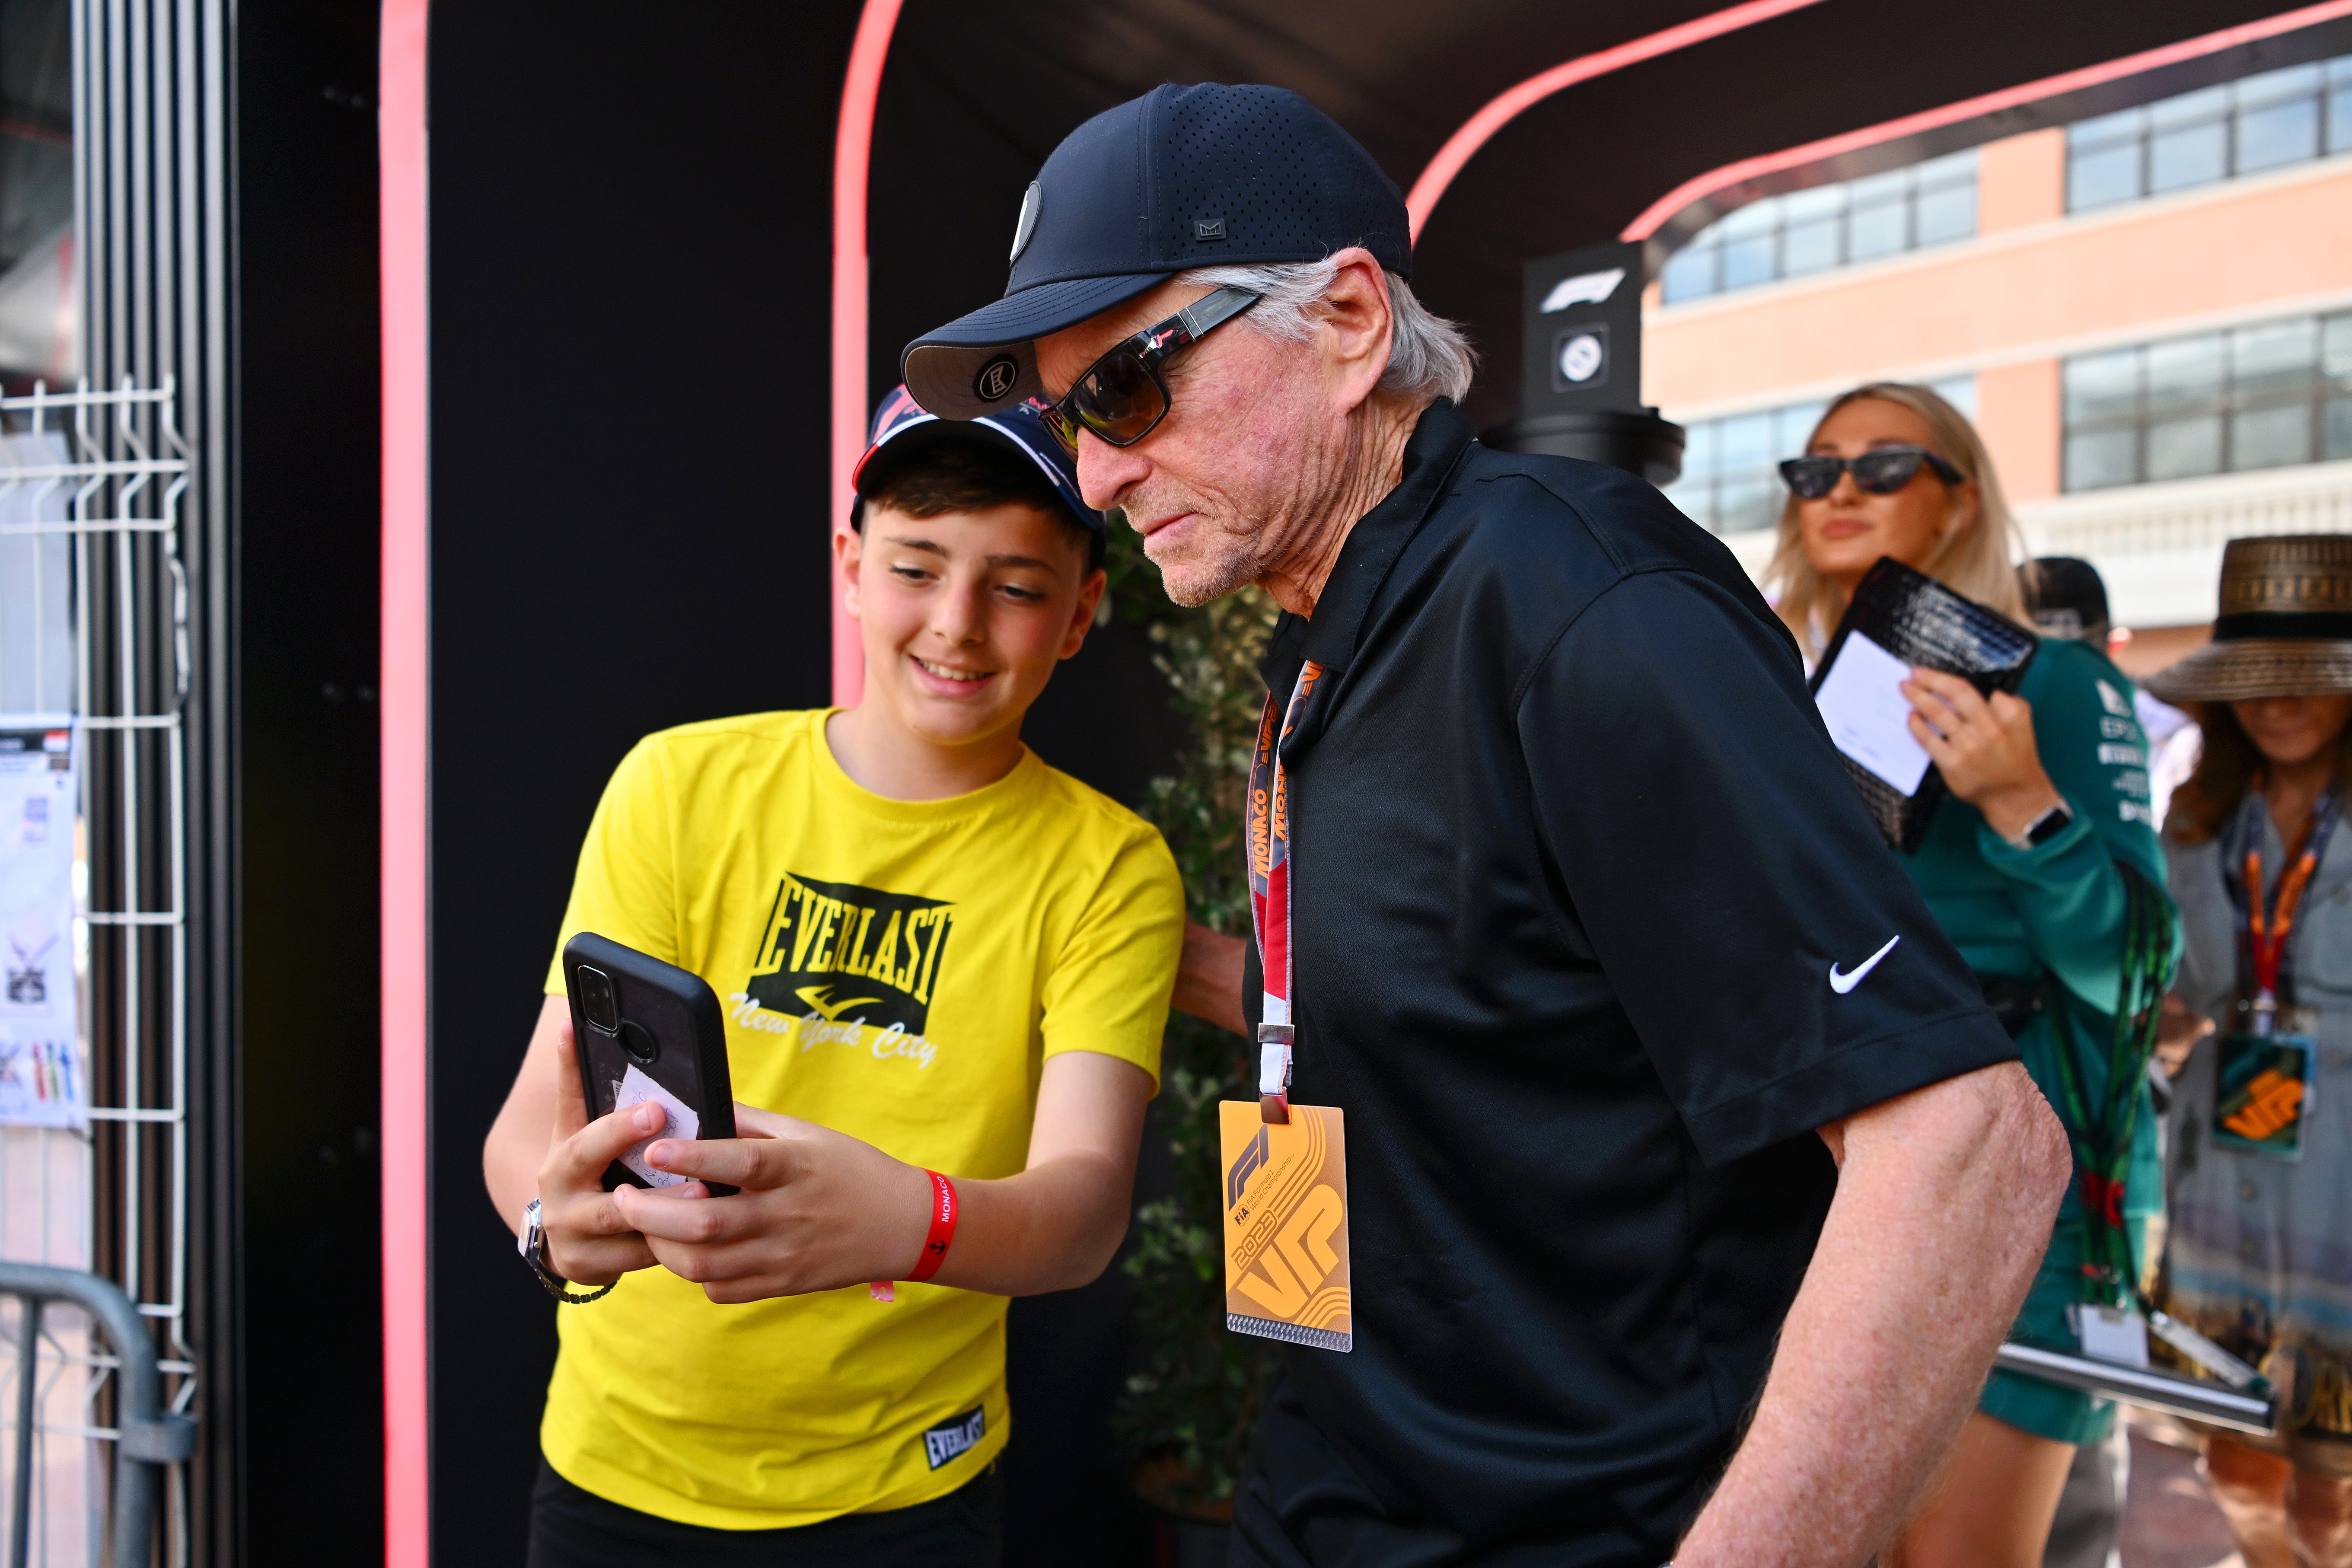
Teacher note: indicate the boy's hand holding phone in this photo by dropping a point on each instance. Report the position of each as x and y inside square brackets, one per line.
[589, 1240]
[818, 1209]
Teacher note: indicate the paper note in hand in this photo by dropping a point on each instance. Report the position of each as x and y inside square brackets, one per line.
[1861, 703]
[635, 1089]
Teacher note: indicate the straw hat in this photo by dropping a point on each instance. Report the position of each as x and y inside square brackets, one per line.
[2284, 627]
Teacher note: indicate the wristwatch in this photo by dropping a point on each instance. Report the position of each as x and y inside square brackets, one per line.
[532, 1245]
[2045, 827]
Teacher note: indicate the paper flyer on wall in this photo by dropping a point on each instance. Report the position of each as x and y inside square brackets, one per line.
[41, 1080]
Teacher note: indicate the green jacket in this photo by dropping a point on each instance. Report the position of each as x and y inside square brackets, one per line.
[2058, 909]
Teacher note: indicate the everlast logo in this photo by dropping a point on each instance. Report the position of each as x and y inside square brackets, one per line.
[1245, 1167]
[851, 954]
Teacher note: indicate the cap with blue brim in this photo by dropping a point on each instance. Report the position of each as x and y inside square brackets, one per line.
[906, 428]
[1182, 177]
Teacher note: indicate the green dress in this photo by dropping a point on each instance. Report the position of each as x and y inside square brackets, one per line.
[2058, 910]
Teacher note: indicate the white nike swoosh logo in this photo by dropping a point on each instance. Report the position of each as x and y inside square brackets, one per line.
[1842, 984]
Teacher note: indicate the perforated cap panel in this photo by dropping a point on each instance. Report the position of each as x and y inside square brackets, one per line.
[1275, 175]
[1182, 177]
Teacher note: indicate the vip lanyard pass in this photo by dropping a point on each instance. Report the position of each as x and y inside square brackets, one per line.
[1269, 875]
[2267, 971]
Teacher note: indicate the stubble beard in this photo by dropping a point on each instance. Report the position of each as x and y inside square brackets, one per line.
[1193, 580]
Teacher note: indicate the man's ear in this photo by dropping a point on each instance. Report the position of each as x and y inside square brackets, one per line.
[848, 550]
[1082, 614]
[1357, 324]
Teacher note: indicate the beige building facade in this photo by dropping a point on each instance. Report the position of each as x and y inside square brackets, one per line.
[2163, 367]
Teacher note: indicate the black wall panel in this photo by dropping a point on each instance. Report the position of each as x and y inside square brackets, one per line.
[310, 1408]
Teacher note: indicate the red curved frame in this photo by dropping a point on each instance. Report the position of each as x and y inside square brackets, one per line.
[404, 685]
[1656, 216]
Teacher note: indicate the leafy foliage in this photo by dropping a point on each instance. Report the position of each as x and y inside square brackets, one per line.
[1188, 1412]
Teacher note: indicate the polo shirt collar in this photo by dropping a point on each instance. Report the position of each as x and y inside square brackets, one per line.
[1380, 536]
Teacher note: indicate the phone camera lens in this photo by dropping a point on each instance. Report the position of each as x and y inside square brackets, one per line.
[596, 999]
[639, 1042]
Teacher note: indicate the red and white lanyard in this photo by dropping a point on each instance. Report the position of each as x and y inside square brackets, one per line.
[1269, 878]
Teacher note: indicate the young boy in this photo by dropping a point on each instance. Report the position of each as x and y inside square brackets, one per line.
[936, 954]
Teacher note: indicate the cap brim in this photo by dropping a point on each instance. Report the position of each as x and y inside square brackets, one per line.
[944, 369]
[2256, 666]
[910, 440]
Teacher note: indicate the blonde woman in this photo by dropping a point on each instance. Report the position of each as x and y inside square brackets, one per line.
[2020, 867]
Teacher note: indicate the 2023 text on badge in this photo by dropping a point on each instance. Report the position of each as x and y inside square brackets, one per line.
[1286, 1233]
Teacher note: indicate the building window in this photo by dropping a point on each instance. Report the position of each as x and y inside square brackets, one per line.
[2252, 397]
[2265, 122]
[1731, 478]
[1828, 227]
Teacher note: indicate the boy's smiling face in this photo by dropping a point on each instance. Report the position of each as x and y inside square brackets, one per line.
[965, 614]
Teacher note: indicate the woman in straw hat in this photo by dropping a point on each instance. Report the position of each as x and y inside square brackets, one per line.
[2024, 869]
[2260, 1256]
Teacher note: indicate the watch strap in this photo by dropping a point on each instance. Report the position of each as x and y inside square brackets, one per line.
[532, 1245]
[2046, 826]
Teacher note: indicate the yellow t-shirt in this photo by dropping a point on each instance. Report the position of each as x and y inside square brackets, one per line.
[899, 971]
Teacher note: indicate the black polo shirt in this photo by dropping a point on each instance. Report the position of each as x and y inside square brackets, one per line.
[1572, 859]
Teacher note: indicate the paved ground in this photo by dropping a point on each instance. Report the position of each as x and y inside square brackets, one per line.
[2169, 1520]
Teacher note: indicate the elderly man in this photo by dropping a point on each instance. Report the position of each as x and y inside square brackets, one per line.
[1692, 1184]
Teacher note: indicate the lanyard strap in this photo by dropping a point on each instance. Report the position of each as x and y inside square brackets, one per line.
[2102, 1135]
[1269, 881]
[2265, 936]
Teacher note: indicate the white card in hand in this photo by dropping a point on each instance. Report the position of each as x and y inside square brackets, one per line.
[1862, 703]
[2112, 1334]
[636, 1088]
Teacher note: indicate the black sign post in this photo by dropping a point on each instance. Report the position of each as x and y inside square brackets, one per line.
[1581, 376]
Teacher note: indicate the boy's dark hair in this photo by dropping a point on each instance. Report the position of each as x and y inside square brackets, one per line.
[968, 476]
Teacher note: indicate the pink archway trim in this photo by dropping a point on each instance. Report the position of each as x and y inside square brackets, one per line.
[404, 685]
[852, 147]
[1706, 185]
[1481, 126]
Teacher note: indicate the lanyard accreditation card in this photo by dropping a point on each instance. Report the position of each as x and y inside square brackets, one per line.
[1285, 1187]
[2262, 1075]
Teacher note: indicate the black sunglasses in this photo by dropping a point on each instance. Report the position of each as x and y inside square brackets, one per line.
[1122, 397]
[1882, 470]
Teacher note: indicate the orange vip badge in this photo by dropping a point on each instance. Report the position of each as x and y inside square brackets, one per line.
[1285, 1231]
[2263, 1094]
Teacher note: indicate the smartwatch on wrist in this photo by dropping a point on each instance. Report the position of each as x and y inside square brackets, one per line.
[532, 1245]
[2045, 827]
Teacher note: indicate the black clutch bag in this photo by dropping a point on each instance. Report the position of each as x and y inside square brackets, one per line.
[1921, 623]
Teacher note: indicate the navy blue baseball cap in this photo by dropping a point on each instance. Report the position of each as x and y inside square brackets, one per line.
[1031, 428]
[1182, 177]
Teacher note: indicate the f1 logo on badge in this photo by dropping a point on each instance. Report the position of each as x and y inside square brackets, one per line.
[1245, 1167]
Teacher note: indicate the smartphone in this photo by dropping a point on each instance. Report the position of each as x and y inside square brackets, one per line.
[647, 1031]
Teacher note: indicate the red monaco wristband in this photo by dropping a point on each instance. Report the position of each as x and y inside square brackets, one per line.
[943, 1232]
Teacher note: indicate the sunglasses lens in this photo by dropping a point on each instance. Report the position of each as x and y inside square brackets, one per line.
[1065, 429]
[1810, 479]
[1118, 400]
[1884, 473]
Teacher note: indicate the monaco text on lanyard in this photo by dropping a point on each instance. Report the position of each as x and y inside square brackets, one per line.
[1288, 1274]
[1269, 878]
[2268, 967]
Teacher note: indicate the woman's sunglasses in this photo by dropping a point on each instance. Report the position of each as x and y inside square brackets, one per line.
[1882, 471]
[1123, 398]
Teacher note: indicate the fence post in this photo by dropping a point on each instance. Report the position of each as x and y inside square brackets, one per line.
[147, 1437]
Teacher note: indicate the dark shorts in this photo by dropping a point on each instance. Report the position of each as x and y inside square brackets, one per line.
[574, 1529]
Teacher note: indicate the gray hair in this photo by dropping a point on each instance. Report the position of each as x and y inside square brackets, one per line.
[1429, 356]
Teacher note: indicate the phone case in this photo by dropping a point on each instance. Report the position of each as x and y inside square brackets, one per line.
[1923, 623]
[669, 1028]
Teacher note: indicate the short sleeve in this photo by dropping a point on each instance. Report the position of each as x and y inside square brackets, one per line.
[1778, 964]
[1108, 986]
[626, 886]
